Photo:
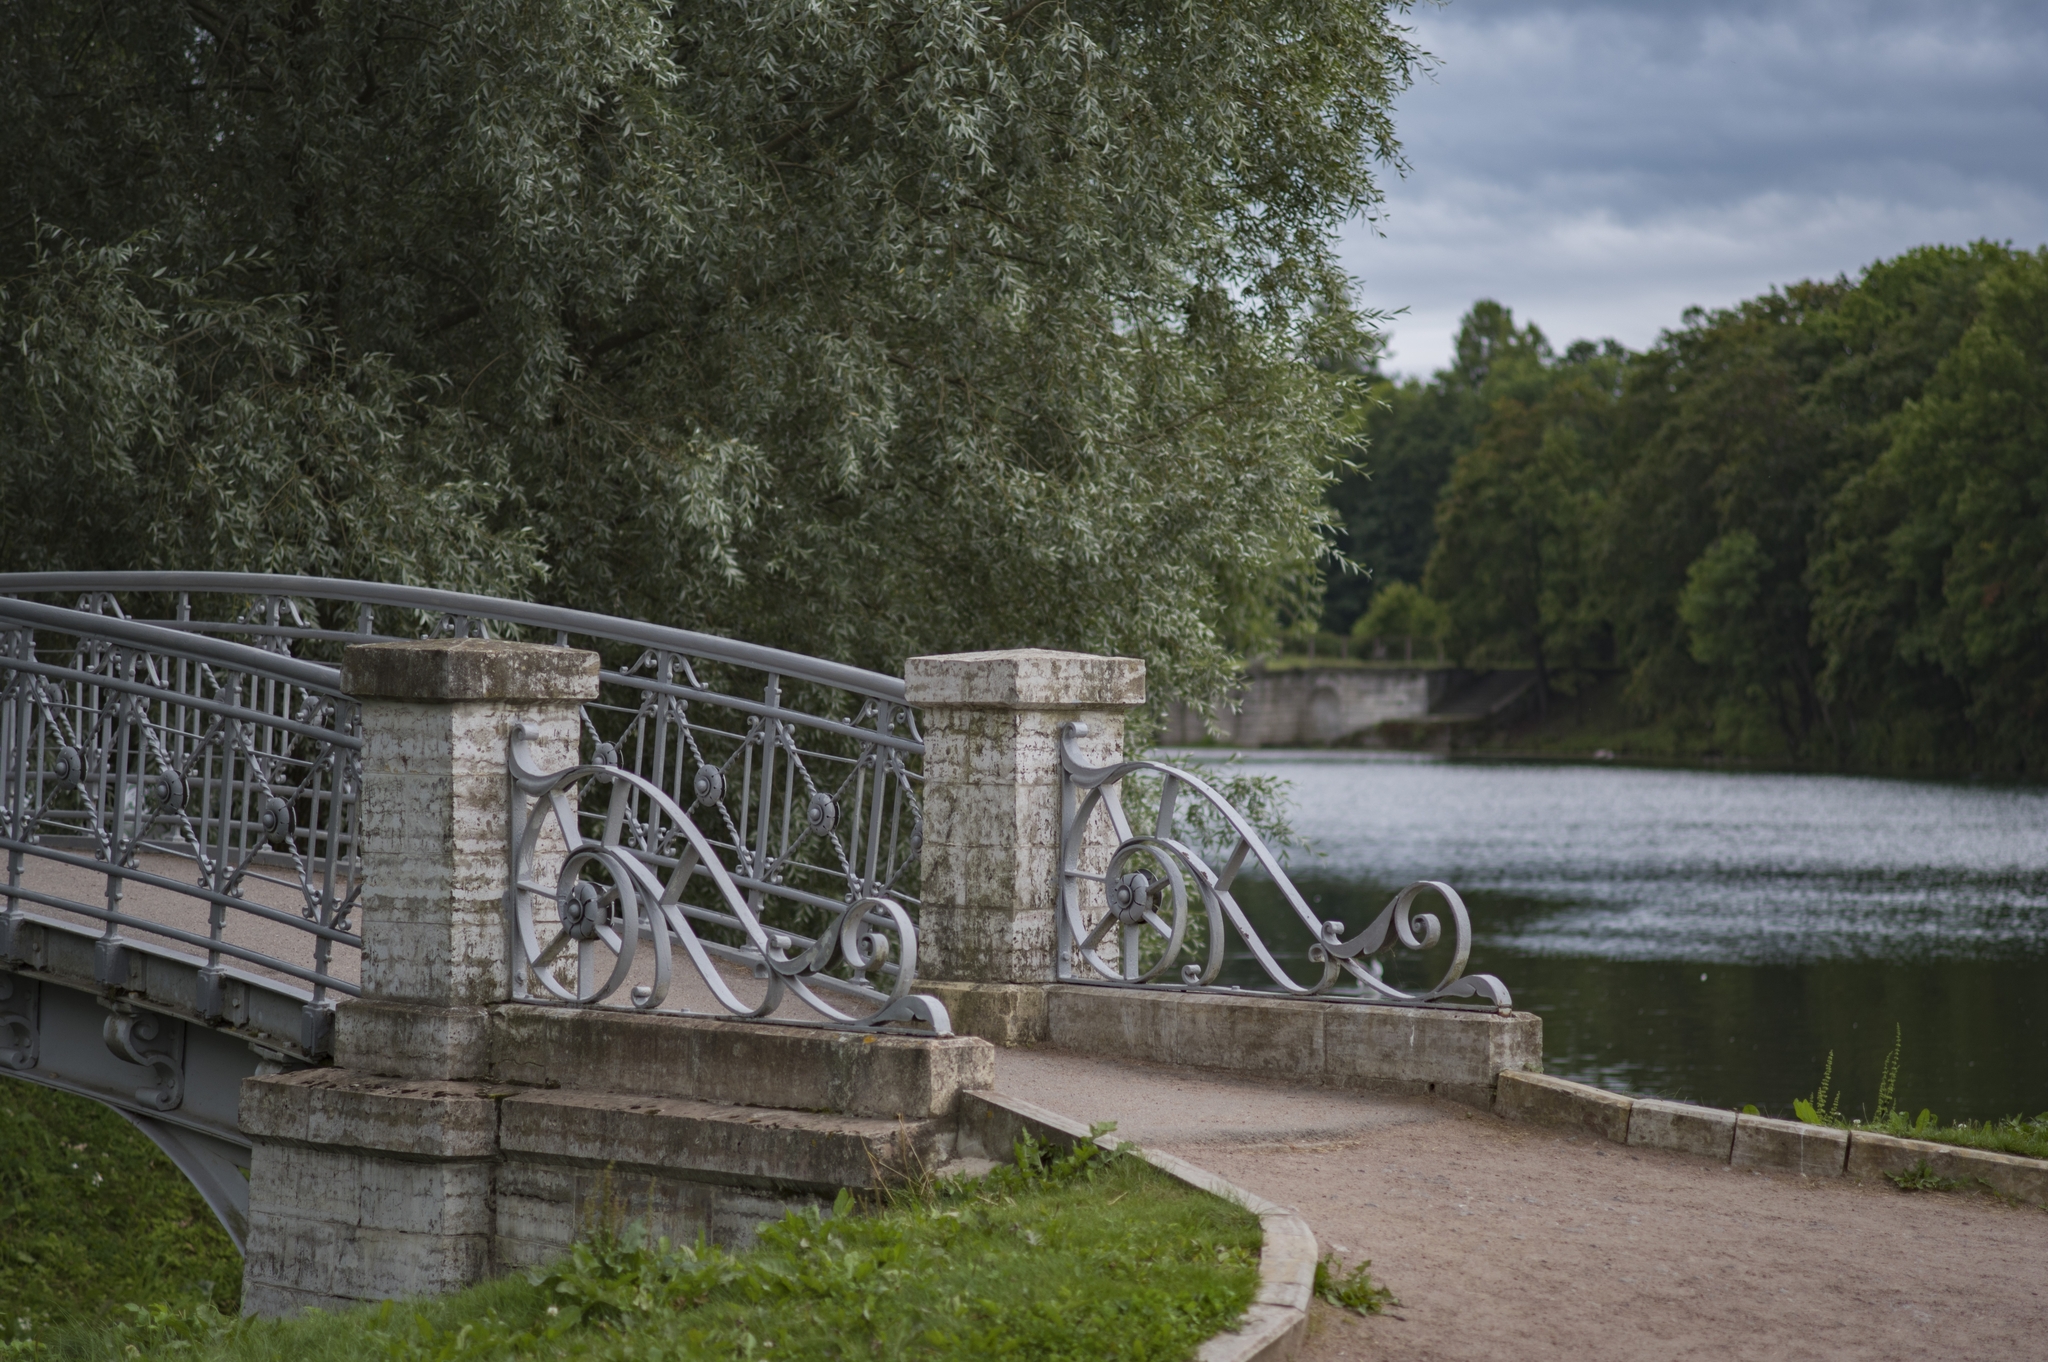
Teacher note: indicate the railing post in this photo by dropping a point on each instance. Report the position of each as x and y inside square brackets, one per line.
[990, 860]
[434, 837]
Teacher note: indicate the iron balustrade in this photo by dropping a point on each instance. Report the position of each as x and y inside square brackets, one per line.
[799, 776]
[204, 774]
[625, 855]
[752, 807]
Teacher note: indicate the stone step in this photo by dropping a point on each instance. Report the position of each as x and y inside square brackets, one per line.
[747, 1063]
[634, 1133]
[709, 1059]
[735, 1146]
[365, 1186]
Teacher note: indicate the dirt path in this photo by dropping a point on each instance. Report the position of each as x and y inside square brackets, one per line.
[1515, 1243]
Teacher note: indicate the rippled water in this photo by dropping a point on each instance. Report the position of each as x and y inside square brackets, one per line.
[1710, 935]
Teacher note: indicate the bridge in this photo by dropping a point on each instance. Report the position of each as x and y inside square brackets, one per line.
[420, 929]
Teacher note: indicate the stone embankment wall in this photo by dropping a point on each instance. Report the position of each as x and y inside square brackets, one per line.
[1745, 1141]
[1329, 706]
[1458, 1052]
[366, 1185]
[1316, 706]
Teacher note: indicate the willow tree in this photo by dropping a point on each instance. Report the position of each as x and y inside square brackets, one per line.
[863, 328]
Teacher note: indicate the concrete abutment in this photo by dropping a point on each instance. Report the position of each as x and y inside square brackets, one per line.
[462, 1134]
[991, 880]
[372, 1186]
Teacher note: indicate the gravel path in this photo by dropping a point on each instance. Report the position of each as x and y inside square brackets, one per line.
[1506, 1241]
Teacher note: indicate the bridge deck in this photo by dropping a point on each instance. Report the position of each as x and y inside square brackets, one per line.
[184, 913]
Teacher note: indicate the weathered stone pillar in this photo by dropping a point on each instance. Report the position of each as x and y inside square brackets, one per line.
[991, 819]
[434, 828]
[361, 1189]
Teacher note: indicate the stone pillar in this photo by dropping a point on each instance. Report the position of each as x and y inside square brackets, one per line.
[991, 819]
[434, 828]
[362, 1189]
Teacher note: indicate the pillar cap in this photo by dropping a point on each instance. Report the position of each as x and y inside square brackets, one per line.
[1024, 678]
[449, 669]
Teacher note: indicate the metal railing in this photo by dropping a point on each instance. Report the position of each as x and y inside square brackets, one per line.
[1146, 935]
[797, 778]
[634, 871]
[214, 779]
[751, 807]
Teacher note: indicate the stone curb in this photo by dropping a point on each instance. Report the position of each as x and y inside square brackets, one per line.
[1277, 1321]
[1745, 1141]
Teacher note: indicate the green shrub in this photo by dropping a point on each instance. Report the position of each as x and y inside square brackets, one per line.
[1353, 1289]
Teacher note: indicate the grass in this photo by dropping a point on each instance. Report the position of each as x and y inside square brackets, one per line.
[2013, 1135]
[1089, 1255]
[93, 1215]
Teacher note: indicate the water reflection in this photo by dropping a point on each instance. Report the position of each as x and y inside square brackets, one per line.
[1821, 911]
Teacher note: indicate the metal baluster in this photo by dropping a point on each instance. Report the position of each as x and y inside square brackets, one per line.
[14, 729]
[876, 798]
[771, 734]
[101, 773]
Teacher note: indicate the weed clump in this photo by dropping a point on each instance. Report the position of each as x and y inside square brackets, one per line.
[2013, 1135]
[1921, 1178]
[1352, 1289]
[1815, 1110]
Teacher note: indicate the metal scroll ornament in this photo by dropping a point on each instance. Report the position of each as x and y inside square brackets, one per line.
[611, 877]
[1153, 881]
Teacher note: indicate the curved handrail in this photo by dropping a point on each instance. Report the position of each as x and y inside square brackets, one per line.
[735, 727]
[557, 618]
[157, 638]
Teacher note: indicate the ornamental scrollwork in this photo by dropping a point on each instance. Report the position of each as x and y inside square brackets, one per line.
[1145, 930]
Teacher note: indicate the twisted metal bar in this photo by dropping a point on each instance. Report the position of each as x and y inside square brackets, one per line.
[1146, 887]
[627, 857]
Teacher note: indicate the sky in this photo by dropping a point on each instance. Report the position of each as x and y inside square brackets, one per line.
[1599, 166]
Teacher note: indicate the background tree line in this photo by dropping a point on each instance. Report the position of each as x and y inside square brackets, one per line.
[1813, 526]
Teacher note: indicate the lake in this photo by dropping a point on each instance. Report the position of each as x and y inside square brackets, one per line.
[1706, 935]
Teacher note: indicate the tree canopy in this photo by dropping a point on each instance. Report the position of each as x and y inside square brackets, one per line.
[865, 329]
[1813, 526]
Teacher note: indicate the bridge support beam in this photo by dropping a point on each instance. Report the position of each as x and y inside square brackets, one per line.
[991, 820]
[361, 1199]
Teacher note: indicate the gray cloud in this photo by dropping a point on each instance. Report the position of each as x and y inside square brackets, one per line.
[1601, 166]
